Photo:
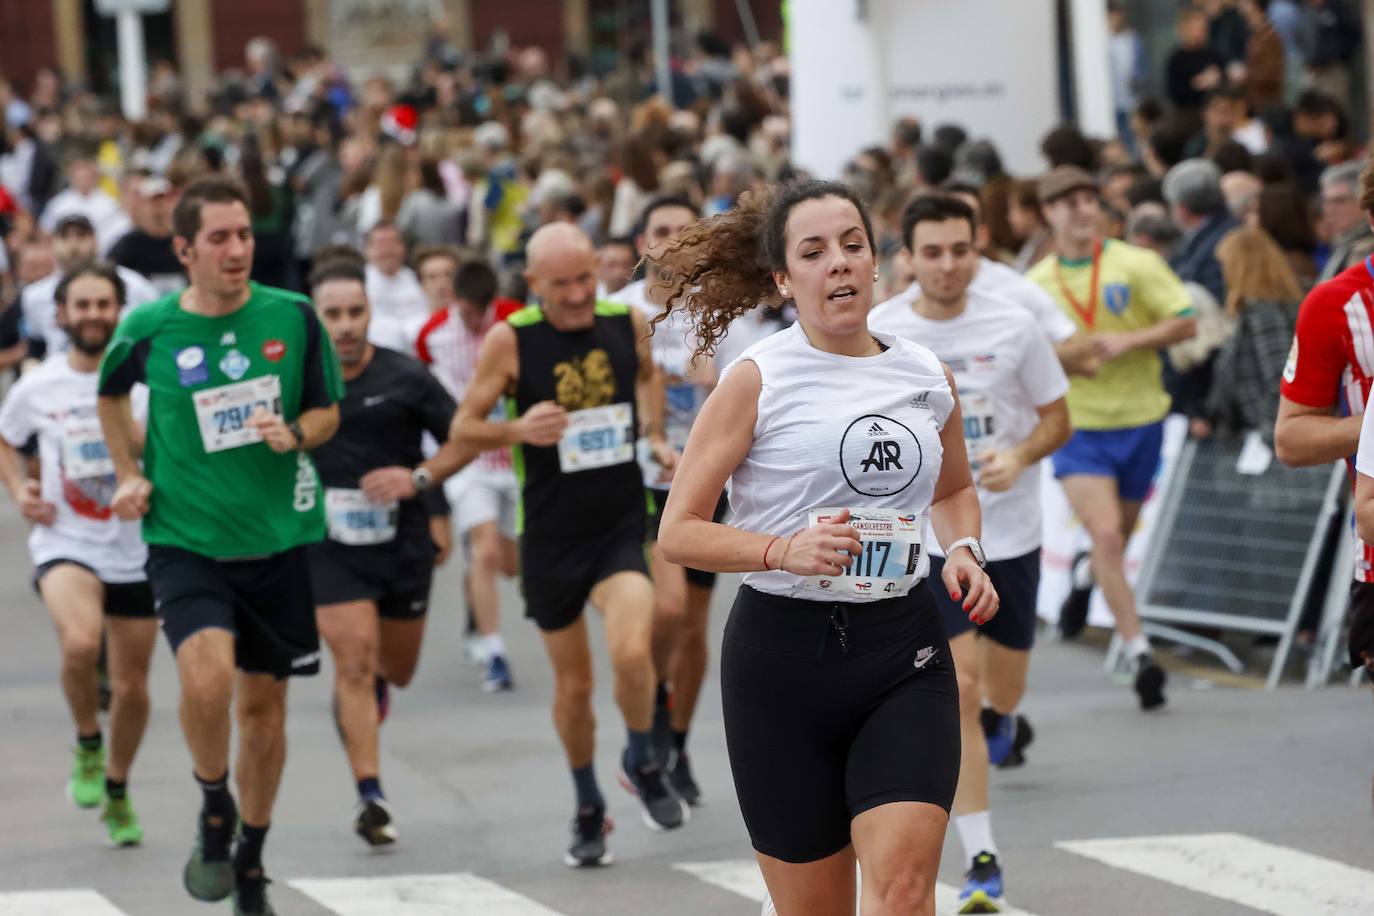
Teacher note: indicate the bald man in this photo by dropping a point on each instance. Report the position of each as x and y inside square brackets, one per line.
[580, 385]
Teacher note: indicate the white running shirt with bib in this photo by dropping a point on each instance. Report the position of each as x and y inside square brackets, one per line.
[840, 432]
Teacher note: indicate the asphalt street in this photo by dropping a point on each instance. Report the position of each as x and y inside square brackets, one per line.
[1231, 801]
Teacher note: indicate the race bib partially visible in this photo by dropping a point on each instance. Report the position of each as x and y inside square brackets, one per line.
[84, 453]
[682, 403]
[597, 437]
[223, 412]
[886, 567]
[982, 433]
[356, 521]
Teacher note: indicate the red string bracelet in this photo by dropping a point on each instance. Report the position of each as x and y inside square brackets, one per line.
[768, 548]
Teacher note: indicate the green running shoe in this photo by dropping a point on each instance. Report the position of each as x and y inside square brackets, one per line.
[209, 875]
[86, 787]
[121, 823]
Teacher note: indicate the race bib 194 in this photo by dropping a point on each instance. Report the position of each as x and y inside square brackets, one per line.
[597, 437]
[356, 521]
[886, 566]
[223, 412]
[84, 453]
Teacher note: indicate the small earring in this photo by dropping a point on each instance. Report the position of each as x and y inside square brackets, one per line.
[784, 290]
[875, 276]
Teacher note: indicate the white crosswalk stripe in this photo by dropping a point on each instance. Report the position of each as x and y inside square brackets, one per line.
[57, 903]
[419, 895]
[742, 877]
[1229, 866]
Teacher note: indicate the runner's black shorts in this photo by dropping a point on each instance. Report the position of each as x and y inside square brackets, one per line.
[122, 599]
[557, 576]
[820, 730]
[397, 581]
[657, 500]
[265, 602]
[1018, 586]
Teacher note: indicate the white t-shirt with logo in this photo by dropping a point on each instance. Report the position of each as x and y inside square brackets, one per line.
[1005, 368]
[839, 432]
[57, 403]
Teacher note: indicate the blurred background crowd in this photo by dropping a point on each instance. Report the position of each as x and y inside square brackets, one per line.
[1248, 120]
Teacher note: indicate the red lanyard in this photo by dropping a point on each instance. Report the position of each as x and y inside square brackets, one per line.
[1089, 312]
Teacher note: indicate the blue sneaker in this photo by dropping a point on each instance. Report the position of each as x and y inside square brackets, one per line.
[1007, 737]
[982, 891]
[498, 677]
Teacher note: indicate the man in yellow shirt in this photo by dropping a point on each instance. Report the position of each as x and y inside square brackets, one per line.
[1131, 305]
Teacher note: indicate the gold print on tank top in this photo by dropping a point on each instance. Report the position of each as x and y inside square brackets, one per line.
[585, 381]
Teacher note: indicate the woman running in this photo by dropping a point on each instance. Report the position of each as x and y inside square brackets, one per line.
[841, 706]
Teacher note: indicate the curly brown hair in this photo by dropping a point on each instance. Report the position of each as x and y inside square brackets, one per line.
[721, 267]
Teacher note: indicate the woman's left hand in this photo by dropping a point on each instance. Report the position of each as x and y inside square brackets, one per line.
[963, 577]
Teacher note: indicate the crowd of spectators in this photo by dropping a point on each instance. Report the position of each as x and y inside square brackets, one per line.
[1243, 172]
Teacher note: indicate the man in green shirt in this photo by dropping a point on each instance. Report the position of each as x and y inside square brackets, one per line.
[242, 381]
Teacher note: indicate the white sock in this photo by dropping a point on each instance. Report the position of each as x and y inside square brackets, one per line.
[1137, 645]
[493, 645]
[975, 832]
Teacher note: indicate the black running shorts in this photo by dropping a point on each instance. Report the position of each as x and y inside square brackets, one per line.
[398, 584]
[822, 725]
[266, 603]
[557, 577]
[657, 500]
[1018, 586]
[122, 599]
[1361, 638]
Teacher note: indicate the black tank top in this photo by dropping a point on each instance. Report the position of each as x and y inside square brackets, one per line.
[577, 370]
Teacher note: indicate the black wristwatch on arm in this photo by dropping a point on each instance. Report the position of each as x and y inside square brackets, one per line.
[295, 429]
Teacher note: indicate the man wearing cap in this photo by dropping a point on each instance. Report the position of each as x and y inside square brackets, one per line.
[83, 196]
[1131, 305]
[73, 244]
[147, 248]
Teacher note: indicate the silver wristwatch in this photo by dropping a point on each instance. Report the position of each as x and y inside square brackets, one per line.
[421, 479]
[974, 548]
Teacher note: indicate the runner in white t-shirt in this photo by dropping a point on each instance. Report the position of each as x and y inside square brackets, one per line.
[88, 564]
[1011, 394]
[682, 597]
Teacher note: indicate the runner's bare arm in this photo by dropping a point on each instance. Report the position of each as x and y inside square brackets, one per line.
[955, 514]
[1305, 436]
[1076, 355]
[25, 491]
[452, 456]
[1049, 435]
[498, 366]
[319, 425]
[649, 393]
[123, 437]
[1364, 507]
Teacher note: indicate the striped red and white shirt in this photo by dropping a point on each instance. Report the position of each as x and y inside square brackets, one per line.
[1332, 360]
[449, 347]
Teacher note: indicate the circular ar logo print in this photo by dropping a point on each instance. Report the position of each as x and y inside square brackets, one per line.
[879, 456]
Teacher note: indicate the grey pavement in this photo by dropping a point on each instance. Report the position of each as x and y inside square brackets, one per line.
[479, 785]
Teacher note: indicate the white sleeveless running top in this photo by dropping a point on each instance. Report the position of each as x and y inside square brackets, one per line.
[839, 432]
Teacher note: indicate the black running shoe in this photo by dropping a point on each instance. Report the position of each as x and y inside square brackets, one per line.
[209, 875]
[1073, 613]
[588, 847]
[681, 780]
[250, 895]
[1149, 682]
[662, 809]
[372, 820]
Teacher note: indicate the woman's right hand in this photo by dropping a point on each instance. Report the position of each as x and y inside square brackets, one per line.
[823, 549]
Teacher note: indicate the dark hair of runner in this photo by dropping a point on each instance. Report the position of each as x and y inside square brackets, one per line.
[91, 269]
[475, 282]
[337, 269]
[426, 252]
[721, 267]
[212, 189]
[935, 208]
[663, 203]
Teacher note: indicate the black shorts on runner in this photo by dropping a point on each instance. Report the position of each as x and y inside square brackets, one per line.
[399, 585]
[820, 730]
[1361, 638]
[266, 603]
[1018, 586]
[557, 577]
[122, 599]
[657, 500]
